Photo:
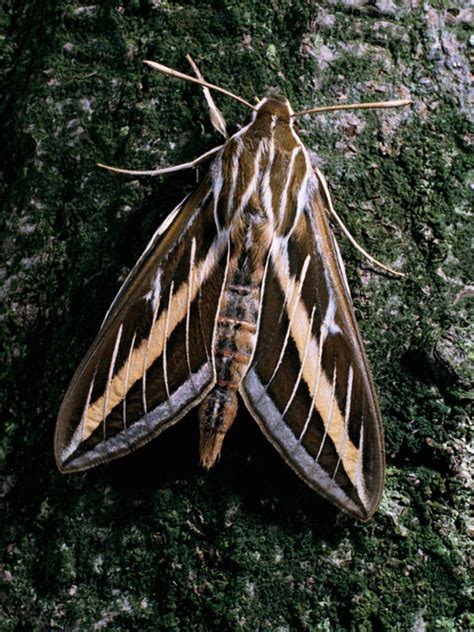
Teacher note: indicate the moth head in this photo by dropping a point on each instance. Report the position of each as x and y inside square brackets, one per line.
[277, 105]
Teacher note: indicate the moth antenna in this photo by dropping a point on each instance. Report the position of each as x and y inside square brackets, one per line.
[346, 231]
[217, 119]
[180, 75]
[356, 106]
[162, 170]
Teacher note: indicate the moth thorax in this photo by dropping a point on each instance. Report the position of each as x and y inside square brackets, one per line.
[277, 106]
[216, 415]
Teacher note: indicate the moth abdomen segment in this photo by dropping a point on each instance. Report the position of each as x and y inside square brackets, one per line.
[216, 415]
[234, 343]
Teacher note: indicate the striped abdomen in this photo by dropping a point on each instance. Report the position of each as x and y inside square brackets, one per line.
[234, 344]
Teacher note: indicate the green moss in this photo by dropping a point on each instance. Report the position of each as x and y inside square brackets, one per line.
[151, 542]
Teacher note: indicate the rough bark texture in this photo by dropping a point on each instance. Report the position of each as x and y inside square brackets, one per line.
[153, 542]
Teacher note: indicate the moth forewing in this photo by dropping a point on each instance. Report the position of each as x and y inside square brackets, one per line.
[118, 397]
[241, 290]
[309, 385]
[361, 452]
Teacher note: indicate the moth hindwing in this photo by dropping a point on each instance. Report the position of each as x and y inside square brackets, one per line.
[240, 293]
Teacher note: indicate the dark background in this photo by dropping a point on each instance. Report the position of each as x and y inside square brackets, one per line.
[152, 542]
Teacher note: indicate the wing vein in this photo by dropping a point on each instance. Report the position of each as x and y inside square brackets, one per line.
[109, 377]
[156, 307]
[165, 346]
[303, 362]
[341, 449]
[322, 338]
[86, 406]
[125, 383]
[188, 310]
[327, 423]
[292, 305]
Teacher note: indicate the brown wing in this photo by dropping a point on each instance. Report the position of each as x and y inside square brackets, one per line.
[309, 386]
[151, 361]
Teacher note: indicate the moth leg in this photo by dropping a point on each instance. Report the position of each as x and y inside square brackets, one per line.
[345, 230]
[217, 119]
[162, 170]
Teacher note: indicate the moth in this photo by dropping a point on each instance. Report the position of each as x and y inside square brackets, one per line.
[241, 294]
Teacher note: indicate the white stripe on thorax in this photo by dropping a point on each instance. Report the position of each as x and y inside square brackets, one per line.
[265, 187]
[289, 178]
[252, 185]
[234, 176]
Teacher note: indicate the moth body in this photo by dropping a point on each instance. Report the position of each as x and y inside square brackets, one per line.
[251, 160]
[235, 339]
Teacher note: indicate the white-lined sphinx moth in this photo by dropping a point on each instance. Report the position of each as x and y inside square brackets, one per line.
[240, 291]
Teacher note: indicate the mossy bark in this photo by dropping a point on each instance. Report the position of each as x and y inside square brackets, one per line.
[152, 542]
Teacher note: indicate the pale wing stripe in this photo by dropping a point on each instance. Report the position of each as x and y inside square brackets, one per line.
[165, 343]
[310, 411]
[360, 481]
[303, 362]
[145, 355]
[139, 432]
[282, 437]
[78, 436]
[302, 199]
[299, 324]
[291, 305]
[154, 295]
[188, 310]
[322, 337]
[151, 245]
[125, 383]
[294, 289]
[331, 409]
[178, 308]
[111, 372]
[328, 325]
[345, 439]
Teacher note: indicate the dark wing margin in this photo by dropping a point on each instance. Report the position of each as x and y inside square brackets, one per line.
[151, 361]
[309, 385]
